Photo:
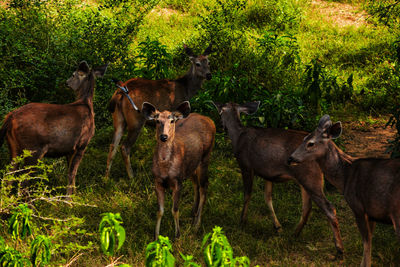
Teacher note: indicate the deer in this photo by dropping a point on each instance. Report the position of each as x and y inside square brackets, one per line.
[165, 94]
[371, 186]
[264, 152]
[184, 144]
[53, 130]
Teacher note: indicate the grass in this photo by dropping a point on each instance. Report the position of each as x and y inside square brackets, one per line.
[136, 202]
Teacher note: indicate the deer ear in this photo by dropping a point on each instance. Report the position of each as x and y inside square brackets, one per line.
[100, 71]
[335, 130]
[188, 51]
[84, 67]
[218, 106]
[183, 110]
[148, 111]
[249, 108]
[324, 123]
[208, 50]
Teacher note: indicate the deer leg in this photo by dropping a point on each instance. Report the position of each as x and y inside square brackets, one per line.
[176, 190]
[203, 181]
[196, 196]
[133, 133]
[396, 224]
[366, 234]
[268, 201]
[160, 192]
[247, 176]
[306, 210]
[72, 170]
[119, 127]
[318, 196]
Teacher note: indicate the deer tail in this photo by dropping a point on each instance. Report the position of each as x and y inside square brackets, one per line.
[4, 129]
[115, 98]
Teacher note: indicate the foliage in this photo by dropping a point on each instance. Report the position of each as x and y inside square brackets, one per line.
[40, 251]
[153, 60]
[19, 224]
[219, 252]
[26, 198]
[159, 253]
[394, 145]
[111, 233]
[386, 11]
[188, 261]
[12, 257]
[322, 86]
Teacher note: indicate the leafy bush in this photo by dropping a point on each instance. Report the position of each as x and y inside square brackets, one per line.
[111, 233]
[219, 252]
[159, 253]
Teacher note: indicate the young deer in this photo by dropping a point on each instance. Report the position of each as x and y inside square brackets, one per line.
[51, 130]
[165, 94]
[370, 186]
[183, 150]
[264, 152]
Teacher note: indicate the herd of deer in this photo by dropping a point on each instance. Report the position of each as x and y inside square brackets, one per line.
[370, 186]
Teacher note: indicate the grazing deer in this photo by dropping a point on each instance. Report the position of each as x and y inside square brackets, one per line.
[183, 150]
[264, 152]
[165, 94]
[370, 186]
[51, 130]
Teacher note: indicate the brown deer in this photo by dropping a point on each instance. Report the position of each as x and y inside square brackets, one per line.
[264, 152]
[51, 130]
[371, 186]
[183, 150]
[165, 94]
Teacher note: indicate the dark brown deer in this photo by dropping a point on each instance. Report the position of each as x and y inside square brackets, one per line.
[165, 94]
[183, 150]
[264, 152]
[51, 130]
[371, 186]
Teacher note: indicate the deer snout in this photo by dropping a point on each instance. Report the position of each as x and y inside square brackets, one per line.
[163, 137]
[208, 76]
[292, 161]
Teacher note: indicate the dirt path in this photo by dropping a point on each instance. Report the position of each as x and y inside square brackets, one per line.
[361, 139]
[341, 14]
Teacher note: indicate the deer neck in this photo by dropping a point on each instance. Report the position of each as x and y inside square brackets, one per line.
[234, 128]
[165, 151]
[191, 83]
[86, 92]
[335, 165]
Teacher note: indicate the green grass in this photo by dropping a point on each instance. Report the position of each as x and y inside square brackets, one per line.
[136, 201]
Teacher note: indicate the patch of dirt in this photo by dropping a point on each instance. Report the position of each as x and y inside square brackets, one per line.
[341, 14]
[165, 12]
[363, 140]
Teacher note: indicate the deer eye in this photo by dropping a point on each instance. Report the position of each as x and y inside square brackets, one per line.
[310, 144]
[198, 64]
[157, 121]
[172, 121]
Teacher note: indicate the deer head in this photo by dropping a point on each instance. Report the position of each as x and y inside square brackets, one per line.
[200, 64]
[165, 120]
[82, 73]
[315, 145]
[231, 111]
